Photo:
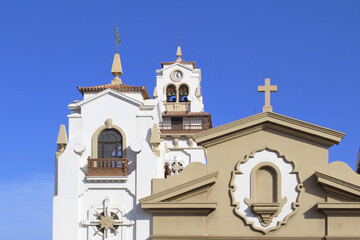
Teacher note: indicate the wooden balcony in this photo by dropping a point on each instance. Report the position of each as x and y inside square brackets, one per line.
[107, 166]
[186, 128]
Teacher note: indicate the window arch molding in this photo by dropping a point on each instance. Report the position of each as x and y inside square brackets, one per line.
[108, 125]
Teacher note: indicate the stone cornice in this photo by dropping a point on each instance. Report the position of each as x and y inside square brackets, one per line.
[269, 120]
[182, 208]
[203, 181]
[339, 186]
[341, 208]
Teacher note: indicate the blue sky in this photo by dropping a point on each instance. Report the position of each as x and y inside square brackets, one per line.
[309, 49]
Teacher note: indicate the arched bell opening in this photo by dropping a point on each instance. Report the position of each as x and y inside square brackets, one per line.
[171, 93]
[183, 93]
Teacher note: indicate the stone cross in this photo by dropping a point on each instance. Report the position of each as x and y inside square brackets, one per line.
[267, 89]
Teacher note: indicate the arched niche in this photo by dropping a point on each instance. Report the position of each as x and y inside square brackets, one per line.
[265, 192]
[108, 125]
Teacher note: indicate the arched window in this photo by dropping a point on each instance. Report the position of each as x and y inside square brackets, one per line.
[183, 93]
[171, 93]
[110, 144]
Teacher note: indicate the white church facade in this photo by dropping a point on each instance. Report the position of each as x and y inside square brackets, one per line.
[119, 140]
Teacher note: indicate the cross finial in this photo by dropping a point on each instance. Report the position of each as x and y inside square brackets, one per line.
[179, 35]
[117, 35]
[267, 88]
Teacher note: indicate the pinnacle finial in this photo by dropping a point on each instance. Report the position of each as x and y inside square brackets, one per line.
[178, 52]
[116, 69]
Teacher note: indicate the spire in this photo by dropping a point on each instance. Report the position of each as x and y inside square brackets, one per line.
[116, 69]
[178, 52]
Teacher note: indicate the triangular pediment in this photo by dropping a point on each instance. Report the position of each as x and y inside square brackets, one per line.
[185, 196]
[336, 186]
[269, 121]
[176, 64]
[111, 92]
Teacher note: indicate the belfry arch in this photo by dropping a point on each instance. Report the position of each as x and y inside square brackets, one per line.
[183, 93]
[171, 93]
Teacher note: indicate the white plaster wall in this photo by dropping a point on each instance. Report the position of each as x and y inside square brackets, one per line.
[65, 203]
[95, 113]
[169, 142]
[147, 169]
[135, 118]
[183, 143]
[75, 125]
[89, 95]
[196, 154]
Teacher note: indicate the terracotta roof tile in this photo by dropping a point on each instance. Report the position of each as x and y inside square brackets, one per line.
[117, 87]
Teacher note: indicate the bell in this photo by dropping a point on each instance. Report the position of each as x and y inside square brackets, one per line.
[168, 94]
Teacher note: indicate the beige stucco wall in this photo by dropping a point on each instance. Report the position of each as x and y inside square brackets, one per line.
[308, 222]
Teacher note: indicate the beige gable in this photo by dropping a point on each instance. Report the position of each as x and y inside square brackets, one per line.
[267, 177]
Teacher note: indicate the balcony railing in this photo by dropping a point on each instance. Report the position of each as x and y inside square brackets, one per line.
[107, 167]
[186, 128]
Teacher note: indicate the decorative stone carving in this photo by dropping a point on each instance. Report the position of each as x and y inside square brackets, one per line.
[106, 221]
[176, 166]
[270, 188]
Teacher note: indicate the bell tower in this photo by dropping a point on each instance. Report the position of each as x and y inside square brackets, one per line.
[179, 92]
